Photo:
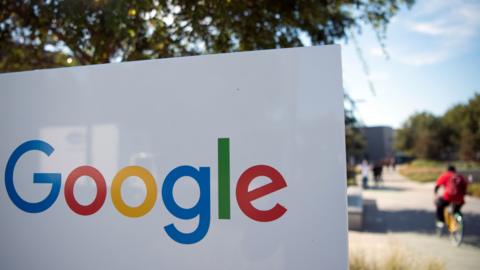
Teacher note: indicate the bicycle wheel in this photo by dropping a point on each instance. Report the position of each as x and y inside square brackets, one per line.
[439, 228]
[456, 232]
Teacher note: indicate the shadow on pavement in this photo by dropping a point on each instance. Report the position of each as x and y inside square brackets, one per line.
[416, 221]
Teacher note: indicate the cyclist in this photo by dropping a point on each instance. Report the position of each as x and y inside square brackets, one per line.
[455, 188]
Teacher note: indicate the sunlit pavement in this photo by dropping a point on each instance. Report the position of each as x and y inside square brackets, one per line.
[400, 215]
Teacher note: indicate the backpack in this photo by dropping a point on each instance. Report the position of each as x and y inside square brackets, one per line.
[456, 186]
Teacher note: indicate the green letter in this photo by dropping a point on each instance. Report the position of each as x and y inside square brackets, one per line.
[224, 178]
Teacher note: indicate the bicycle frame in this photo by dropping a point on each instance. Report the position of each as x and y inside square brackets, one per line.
[454, 224]
[450, 220]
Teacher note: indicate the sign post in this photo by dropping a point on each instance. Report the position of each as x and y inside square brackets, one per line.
[230, 161]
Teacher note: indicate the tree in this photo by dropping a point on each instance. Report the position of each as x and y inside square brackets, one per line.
[463, 123]
[354, 140]
[470, 135]
[453, 121]
[420, 136]
[455, 135]
[52, 33]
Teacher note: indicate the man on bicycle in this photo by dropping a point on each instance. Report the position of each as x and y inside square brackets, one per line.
[455, 188]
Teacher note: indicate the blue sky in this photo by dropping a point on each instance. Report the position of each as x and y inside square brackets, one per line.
[433, 63]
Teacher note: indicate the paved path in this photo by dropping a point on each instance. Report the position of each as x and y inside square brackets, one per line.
[401, 214]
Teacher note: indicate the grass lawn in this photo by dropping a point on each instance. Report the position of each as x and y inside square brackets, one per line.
[428, 171]
[422, 170]
[474, 190]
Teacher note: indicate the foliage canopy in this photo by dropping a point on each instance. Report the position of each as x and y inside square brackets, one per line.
[53, 33]
[456, 134]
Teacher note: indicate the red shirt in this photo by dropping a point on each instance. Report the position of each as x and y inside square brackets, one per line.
[444, 180]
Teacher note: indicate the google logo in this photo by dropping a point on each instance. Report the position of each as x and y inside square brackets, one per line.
[201, 175]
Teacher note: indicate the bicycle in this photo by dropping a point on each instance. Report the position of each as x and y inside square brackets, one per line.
[454, 224]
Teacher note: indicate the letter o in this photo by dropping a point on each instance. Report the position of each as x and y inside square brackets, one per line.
[116, 191]
[97, 203]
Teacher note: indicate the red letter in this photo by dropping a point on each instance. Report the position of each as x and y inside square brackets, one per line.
[245, 197]
[85, 210]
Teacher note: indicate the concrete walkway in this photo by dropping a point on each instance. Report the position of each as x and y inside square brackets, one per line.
[400, 215]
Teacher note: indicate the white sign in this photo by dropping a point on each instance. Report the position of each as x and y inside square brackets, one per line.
[231, 161]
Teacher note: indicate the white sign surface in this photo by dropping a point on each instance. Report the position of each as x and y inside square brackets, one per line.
[232, 161]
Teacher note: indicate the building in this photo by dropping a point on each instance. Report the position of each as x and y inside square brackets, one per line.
[379, 142]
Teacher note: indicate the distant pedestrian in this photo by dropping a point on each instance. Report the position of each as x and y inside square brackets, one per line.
[393, 162]
[365, 169]
[377, 172]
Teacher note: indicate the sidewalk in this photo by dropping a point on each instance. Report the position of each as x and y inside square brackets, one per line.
[401, 214]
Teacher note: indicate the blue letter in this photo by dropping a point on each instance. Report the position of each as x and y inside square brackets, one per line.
[41, 178]
[201, 209]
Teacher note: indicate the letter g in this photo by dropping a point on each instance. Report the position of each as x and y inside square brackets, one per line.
[40, 178]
